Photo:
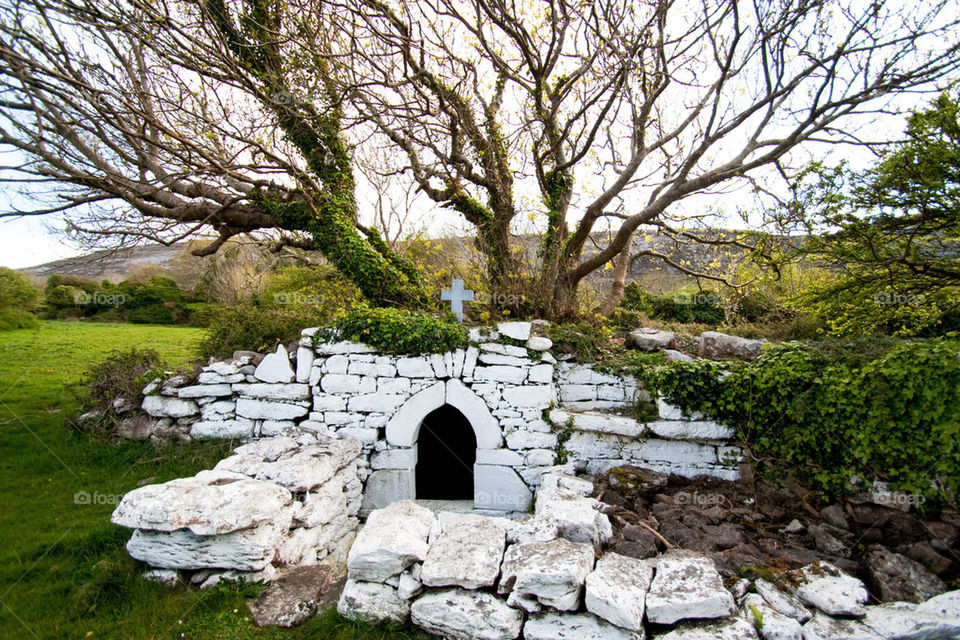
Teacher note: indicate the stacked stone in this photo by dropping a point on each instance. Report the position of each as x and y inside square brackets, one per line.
[277, 502]
[545, 577]
[689, 446]
[580, 388]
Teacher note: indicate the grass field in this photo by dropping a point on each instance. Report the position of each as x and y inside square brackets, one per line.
[64, 572]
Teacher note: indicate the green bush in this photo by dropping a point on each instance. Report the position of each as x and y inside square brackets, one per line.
[119, 377]
[682, 306]
[252, 328]
[18, 298]
[394, 330]
[893, 414]
[16, 319]
[585, 340]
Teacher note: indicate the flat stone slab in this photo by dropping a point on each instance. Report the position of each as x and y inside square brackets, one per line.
[732, 629]
[617, 588]
[823, 627]
[904, 620]
[946, 605]
[372, 602]
[465, 551]
[462, 614]
[209, 503]
[781, 602]
[598, 422]
[394, 538]
[301, 470]
[580, 626]
[292, 597]
[578, 518]
[830, 590]
[246, 550]
[773, 624]
[687, 587]
[552, 572]
[690, 430]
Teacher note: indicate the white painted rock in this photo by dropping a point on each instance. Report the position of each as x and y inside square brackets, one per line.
[465, 551]
[690, 430]
[598, 422]
[539, 343]
[616, 590]
[212, 502]
[268, 449]
[580, 626]
[577, 517]
[457, 613]
[515, 330]
[832, 591]
[904, 620]
[275, 367]
[273, 391]
[773, 625]
[823, 627]
[552, 572]
[687, 587]
[394, 538]
[732, 629]
[269, 409]
[246, 550]
[372, 602]
[781, 602]
[168, 407]
[223, 429]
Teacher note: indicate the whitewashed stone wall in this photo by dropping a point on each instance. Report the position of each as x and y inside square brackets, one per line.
[518, 400]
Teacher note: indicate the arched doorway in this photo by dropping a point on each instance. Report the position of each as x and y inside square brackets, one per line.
[447, 451]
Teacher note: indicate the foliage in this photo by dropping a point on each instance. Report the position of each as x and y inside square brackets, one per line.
[397, 331]
[891, 414]
[682, 306]
[586, 340]
[11, 319]
[320, 287]
[893, 232]
[18, 298]
[119, 378]
[155, 300]
[251, 328]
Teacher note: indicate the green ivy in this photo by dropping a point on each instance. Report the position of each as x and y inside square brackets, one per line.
[895, 417]
[394, 330]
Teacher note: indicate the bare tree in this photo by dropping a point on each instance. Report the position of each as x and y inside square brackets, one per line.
[242, 116]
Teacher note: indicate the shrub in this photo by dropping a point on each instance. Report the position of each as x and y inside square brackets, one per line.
[16, 319]
[892, 415]
[253, 328]
[17, 299]
[585, 340]
[682, 306]
[398, 331]
[118, 378]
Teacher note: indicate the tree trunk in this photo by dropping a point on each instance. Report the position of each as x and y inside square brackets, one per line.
[620, 271]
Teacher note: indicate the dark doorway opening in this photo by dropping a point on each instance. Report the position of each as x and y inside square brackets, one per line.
[446, 451]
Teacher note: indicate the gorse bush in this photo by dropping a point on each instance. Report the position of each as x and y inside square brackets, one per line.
[894, 417]
[397, 331]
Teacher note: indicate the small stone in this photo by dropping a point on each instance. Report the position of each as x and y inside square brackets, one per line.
[687, 587]
[372, 602]
[275, 367]
[292, 597]
[167, 577]
[539, 343]
[794, 527]
[781, 602]
[647, 339]
[835, 516]
[831, 591]
[515, 330]
[895, 577]
[770, 623]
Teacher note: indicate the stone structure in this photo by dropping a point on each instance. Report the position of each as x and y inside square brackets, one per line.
[515, 397]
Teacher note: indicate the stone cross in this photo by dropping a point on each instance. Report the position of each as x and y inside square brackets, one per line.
[457, 295]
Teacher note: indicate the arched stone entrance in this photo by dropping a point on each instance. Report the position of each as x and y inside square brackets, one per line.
[446, 454]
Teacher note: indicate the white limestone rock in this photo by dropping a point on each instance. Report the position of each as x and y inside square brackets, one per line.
[616, 590]
[830, 590]
[301, 470]
[515, 330]
[209, 503]
[466, 615]
[598, 422]
[205, 391]
[946, 605]
[905, 620]
[275, 367]
[387, 486]
[781, 602]
[169, 407]
[578, 518]
[539, 343]
[269, 410]
[167, 577]
[552, 572]
[342, 347]
[732, 629]
[268, 449]
[399, 458]
[823, 627]
[770, 623]
[574, 484]
[580, 626]
[500, 373]
[649, 339]
[690, 429]
[225, 429]
[538, 528]
[264, 391]
[393, 538]
[687, 587]
[465, 551]
[372, 602]
[246, 550]
[408, 587]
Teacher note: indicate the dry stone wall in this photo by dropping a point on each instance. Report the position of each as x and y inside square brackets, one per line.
[517, 397]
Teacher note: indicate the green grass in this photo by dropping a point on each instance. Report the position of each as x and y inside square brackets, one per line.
[64, 572]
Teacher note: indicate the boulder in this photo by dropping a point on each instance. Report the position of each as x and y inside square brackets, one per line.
[275, 367]
[732, 629]
[169, 407]
[458, 613]
[465, 551]
[894, 577]
[300, 470]
[245, 550]
[769, 623]
[372, 602]
[580, 626]
[616, 590]
[292, 597]
[552, 572]
[720, 346]
[833, 592]
[393, 538]
[209, 503]
[648, 339]
[687, 587]
[578, 518]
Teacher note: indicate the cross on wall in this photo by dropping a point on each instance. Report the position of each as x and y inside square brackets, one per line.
[457, 295]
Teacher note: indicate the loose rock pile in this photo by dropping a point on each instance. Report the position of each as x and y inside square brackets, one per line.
[542, 577]
[277, 502]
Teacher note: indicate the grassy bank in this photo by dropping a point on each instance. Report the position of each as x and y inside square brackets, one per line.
[63, 569]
